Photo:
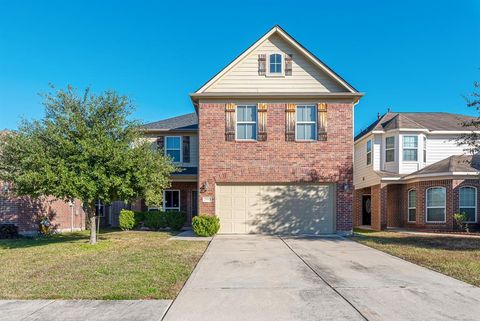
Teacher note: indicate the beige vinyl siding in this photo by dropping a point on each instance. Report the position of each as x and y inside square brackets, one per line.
[363, 174]
[442, 146]
[193, 146]
[305, 77]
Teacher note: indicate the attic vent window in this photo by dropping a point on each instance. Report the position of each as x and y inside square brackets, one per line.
[275, 63]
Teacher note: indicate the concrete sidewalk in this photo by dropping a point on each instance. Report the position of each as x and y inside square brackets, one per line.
[83, 310]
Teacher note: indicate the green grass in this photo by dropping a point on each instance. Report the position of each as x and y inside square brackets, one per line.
[123, 265]
[458, 257]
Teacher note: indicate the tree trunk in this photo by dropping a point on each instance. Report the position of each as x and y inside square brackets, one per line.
[93, 223]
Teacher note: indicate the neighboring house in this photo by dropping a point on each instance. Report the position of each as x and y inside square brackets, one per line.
[410, 172]
[271, 151]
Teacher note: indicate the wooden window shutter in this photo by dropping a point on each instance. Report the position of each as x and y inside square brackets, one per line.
[160, 142]
[322, 121]
[262, 64]
[290, 122]
[262, 122]
[186, 149]
[230, 122]
[288, 64]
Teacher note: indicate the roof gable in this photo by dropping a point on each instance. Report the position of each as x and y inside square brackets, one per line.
[309, 72]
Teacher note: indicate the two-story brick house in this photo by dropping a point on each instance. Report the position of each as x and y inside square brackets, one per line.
[410, 172]
[272, 151]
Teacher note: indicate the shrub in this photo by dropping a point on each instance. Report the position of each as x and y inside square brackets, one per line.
[8, 231]
[204, 225]
[139, 217]
[155, 219]
[460, 219]
[176, 220]
[126, 220]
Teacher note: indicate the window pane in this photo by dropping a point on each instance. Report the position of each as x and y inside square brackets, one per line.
[436, 197]
[390, 155]
[410, 142]
[168, 198]
[470, 212]
[174, 154]
[412, 215]
[173, 142]
[369, 146]
[251, 113]
[412, 199]
[390, 142]
[241, 131]
[467, 196]
[175, 199]
[300, 131]
[410, 155]
[300, 113]
[310, 113]
[310, 131]
[369, 158]
[241, 113]
[435, 214]
[250, 131]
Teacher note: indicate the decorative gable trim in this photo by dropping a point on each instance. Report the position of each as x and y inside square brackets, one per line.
[292, 42]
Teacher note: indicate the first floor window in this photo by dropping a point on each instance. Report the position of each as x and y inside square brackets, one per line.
[171, 200]
[468, 202]
[412, 205]
[306, 122]
[99, 209]
[436, 197]
[247, 122]
[173, 148]
[390, 149]
[410, 148]
[369, 152]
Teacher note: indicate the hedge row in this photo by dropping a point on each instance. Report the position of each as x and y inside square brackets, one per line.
[153, 219]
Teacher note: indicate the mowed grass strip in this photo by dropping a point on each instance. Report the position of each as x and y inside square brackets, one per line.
[123, 265]
[458, 257]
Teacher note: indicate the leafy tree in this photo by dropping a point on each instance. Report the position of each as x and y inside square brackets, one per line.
[84, 148]
[472, 139]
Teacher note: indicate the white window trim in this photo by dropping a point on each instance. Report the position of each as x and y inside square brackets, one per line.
[388, 149]
[444, 205]
[475, 207]
[164, 200]
[246, 122]
[181, 147]
[314, 122]
[424, 155]
[282, 64]
[410, 148]
[369, 152]
[411, 208]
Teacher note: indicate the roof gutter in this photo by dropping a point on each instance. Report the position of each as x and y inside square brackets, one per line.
[275, 95]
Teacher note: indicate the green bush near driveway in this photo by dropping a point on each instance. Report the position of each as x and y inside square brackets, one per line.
[126, 220]
[176, 220]
[205, 225]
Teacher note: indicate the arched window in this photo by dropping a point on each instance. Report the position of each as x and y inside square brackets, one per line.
[412, 205]
[468, 202]
[436, 197]
[275, 64]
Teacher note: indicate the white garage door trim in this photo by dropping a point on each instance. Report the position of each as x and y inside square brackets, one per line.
[276, 208]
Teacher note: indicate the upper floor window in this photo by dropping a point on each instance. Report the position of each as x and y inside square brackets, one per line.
[436, 197]
[275, 63]
[390, 149]
[247, 122]
[173, 148]
[468, 202]
[412, 205]
[410, 148]
[306, 124]
[369, 152]
[424, 149]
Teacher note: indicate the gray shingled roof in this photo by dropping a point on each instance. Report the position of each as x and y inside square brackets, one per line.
[420, 120]
[455, 163]
[188, 122]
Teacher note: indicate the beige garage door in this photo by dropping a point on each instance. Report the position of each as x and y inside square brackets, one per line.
[290, 209]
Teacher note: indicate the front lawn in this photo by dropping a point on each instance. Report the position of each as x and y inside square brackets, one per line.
[458, 257]
[123, 265]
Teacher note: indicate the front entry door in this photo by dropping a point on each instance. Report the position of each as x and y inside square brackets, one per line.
[194, 203]
[366, 210]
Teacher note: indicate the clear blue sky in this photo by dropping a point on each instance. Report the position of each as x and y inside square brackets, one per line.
[410, 55]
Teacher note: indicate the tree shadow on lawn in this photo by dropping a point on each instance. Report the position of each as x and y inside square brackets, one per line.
[423, 242]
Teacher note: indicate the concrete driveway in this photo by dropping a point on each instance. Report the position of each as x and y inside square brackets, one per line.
[253, 277]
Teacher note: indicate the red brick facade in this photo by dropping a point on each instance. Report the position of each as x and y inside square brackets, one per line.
[390, 208]
[26, 212]
[276, 160]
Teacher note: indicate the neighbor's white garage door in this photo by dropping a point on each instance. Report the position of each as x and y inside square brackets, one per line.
[292, 209]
